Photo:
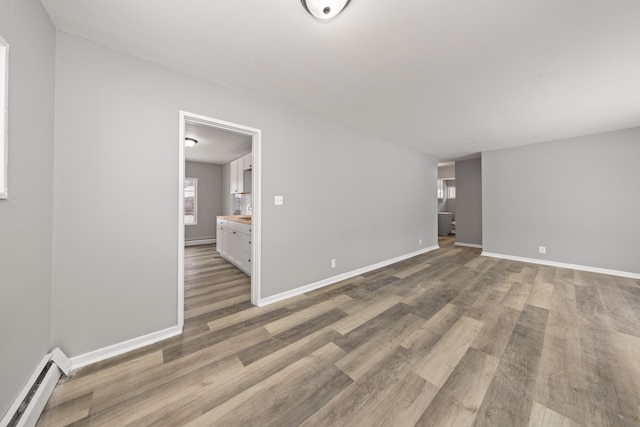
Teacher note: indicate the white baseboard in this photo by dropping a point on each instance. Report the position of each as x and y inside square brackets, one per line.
[340, 277]
[564, 265]
[42, 393]
[468, 245]
[199, 242]
[123, 347]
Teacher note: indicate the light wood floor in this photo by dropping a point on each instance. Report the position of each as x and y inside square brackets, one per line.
[448, 338]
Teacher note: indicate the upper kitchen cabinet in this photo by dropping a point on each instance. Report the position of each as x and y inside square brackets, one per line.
[236, 176]
[237, 171]
[247, 161]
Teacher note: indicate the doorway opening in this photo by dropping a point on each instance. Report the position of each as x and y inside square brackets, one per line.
[190, 119]
[447, 201]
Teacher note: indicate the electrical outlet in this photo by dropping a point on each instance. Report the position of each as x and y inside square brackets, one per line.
[542, 249]
[333, 263]
[279, 200]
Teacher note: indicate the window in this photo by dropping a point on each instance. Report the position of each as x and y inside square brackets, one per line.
[190, 201]
[451, 191]
[4, 78]
[440, 189]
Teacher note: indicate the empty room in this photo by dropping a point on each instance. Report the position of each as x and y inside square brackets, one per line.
[319, 213]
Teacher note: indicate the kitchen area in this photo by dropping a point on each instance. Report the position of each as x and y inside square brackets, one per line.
[460, 201]
[234, 231]
[218, 200]
[446, 199]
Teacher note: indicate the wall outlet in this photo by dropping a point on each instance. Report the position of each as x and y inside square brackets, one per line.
[542, 249]
[420, 242]
[279, 200]
[333, 263]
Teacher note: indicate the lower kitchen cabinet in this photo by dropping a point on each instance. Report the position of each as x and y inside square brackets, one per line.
[234, 243]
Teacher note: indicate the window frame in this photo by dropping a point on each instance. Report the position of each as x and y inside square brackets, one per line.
[451, 192]
[195, 201]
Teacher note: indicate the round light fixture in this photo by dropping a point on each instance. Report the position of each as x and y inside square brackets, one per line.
[190, 142]
[325, 9]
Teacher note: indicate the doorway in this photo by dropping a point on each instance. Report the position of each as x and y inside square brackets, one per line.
[256, 184]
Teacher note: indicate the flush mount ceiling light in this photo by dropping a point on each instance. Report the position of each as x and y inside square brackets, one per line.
[325, 9]
[190, 142]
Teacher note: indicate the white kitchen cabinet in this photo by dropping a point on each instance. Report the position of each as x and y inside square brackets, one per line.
[234, 243]
[236, 174]
[445, 223]
[242, 251]
[247, 161]
[220, 236]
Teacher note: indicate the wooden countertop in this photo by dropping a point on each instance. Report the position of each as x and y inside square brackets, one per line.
[242, 219]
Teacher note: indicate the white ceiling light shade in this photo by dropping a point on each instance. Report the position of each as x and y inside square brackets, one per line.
[190, 142]
[324, 9]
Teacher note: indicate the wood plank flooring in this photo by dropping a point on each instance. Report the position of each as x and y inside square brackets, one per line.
[448, 338]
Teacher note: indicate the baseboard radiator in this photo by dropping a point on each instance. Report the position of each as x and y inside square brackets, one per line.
[27, 408]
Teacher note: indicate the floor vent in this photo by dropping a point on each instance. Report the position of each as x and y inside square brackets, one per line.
[34, 396]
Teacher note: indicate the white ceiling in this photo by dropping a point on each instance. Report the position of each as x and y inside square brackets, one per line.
[450, 78]
[215, 145]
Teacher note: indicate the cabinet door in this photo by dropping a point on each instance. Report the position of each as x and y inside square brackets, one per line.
[233, 176]
[225, 241]
[240, 177]
[219, 239]
[248, 161]
[243, 252]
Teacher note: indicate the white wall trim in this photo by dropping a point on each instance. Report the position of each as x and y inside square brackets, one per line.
[256, 223]
[340, 277]
[123, 347]
[469, 245]
[256, 219]
[43, 392]
[198, 242]
[181, 232]
[564, 265]
[4, 121]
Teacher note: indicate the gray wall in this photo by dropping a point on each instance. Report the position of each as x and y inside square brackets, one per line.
[347, 196]
[25, 217]
[210, 197]
[226, 189]
[469, 202]
[578, 197]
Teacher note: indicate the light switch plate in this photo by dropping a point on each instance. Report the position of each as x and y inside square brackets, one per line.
[279, 200]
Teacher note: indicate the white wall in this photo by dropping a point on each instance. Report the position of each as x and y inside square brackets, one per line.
[578, 197]
[210, 199]
[25, 217]
[347, 196]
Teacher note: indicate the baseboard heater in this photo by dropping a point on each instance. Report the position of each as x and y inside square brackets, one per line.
[27, 408]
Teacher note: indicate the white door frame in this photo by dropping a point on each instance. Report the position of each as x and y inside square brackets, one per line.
[256, 138]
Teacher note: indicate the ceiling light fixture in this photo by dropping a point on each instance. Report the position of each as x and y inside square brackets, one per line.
[190, 142]
[325, 9]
